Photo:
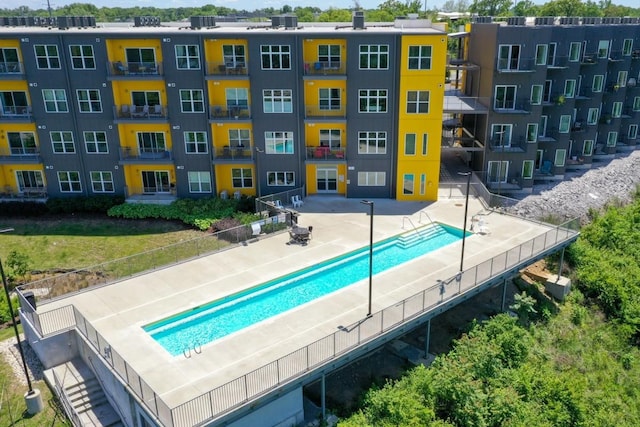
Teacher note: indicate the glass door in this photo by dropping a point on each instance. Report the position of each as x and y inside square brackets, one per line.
[155, 182]
[327, 180]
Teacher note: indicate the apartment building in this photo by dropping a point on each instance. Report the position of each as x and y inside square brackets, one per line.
[156, 112]
[561, 94]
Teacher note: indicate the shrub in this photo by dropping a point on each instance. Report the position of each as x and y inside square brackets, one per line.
[23, 209]
[92, 204]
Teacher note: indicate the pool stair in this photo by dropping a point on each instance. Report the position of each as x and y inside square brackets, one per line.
[408, 240]
[81, 395]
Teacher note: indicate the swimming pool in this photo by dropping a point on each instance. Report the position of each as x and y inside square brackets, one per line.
[214, 320]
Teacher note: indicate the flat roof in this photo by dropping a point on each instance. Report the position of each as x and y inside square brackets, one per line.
[119, 311]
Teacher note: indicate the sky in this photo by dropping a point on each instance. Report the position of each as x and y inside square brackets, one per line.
[240, 4]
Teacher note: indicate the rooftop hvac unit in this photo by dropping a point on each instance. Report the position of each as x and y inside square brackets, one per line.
[358, 20]
[516, 20]
[290, 21]
[137, 21]
[277, 21]
[64, 22]
[197, 22]
[611, 20]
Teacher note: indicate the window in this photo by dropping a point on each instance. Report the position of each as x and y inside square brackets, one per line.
[546, 93]
[21, 143]
[278, 142]
[569, 88]
[621, 81]
[574, 51]
[195, 142]
[187, 57]
[10, 60]
[69, 182]
[373, 100]
[612, 138]
[55, 100]
[89, 100]
[276, 57]
[542, 126]
[551, 56]
[29, 180]
[532, 132]
[527, 169]
[592, 116]
[233, 55]
[374, 56]
[425, 144]
[96, 142]
[505, 98]
[237, 98]
[501, 135]
[239, 138]
[241, 178]
[417, 101]
[603, 49]
[627, 46]
[598, 83]
[508, 57]
[13, 102]
[372, 142]
[410, 144]
[616, 110]
[281, 179]
[408, 184]
[560, 157]
[536, 94]
[636, 103]
[277, 100]
[371, 179]
[587, 147]
[329, 98]
[151, 142]
[82, 57]
[155, 181]
[142, 98]
[47, 56]
[565, 123]
[632, 133]
[497, 171]
[140, 57]
[420, 57]
[199, 182]
[330, 138]
[329, 54]
[541, 54]
[191, 100]
[102, 182]
[62, 142]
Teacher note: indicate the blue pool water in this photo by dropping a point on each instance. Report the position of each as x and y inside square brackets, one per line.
[222, 317]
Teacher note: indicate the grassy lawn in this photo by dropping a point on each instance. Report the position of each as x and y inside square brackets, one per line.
[68, 243]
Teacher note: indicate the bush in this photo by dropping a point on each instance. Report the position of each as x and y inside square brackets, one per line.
[92, 204]
[23, 209]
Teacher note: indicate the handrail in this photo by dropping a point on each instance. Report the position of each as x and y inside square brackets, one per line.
[425, 214]
[412, 224]
[64, 399]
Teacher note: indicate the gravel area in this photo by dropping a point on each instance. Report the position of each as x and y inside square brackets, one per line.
[11, 355]
[591, 189]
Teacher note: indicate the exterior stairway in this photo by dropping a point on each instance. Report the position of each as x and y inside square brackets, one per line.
[81, 395]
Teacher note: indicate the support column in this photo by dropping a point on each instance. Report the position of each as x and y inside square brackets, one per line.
[427, 339]
[504, 295]
[560, 264]
[323, 402]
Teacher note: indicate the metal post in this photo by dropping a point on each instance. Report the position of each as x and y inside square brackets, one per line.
[560, 265]
[323, 402]
[464, 226]
[370, 203]
[427, 339]
[504, 295]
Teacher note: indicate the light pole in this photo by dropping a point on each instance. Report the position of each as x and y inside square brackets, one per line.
[32, 397]
[464, 225]
[370, 203]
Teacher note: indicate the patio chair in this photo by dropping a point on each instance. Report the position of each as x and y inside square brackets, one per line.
[278, 204]
[295, 202]
[157, 111]
[298, 200]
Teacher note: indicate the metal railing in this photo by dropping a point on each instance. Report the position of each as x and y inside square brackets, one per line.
[140, 112]
[229, 112]
[323, 68]
[233, 153]
[16, 111]
[136, 154]
[325, 153]
[317, 111]
[227, 69]
[8, 67]
[66, 402]
[134, 69]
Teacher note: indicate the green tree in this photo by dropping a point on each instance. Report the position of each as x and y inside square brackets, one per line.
[526, 8]
[491, 7]
[335, 15]
[19, 264]
[562, 8]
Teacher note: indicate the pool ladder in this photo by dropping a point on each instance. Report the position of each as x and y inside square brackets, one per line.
[196, 348]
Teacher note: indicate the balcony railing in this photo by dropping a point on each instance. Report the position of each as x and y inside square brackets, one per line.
[325, 153]
[233, 153]
[559, 62]
[227, 69]
[158, 155]
[134, 69]
[321, 112]
[518, 107]
[229, 112]
[11, 68]
[20, 155]
[524, 65]
[589, 59]
[321, 68]
[23, 193]
[515, 145]
[16, 112]
[140, 112]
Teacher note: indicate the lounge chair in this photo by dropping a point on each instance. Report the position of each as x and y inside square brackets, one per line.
[482, 227]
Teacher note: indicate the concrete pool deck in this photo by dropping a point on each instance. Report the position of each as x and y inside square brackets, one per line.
[119, 311]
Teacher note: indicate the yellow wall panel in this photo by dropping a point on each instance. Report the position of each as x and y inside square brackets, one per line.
[213, 49]
[312, 93]
[128, 133]
[133, 174]
[217, 90]
[224, 179]
[116, 48]
[122, 90]
[310, 49]
[11, 43]
[14, 85]
[8, 180]
[220, 132]
[312, 184]
[312, 133]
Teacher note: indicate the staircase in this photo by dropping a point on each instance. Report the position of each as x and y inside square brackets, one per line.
[82, 395]
[408, 240]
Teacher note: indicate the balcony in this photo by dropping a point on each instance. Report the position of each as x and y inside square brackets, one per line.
[27, 155]
[523, 65]
[589, 59]
[322, 68]
[130, 155]
[516, 145]
[20, 113]
[11, 70]
[228, 69]
[161, 194]
[136, 113]
[322, 153]
[25, 193]
[635, 54]
[559, 63]
[520, 106]
[578, 126]
[616, 56]
[134, 70]
[317, 112]
[219, 113]
[233, 153]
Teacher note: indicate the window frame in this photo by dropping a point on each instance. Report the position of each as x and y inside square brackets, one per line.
[612, 138]
[192, 104]
[275, 56]
[372, 178]
[234, 58]
[239, 139]
[82, 57]
[534, 89]
[69, 181]
[410, 141]
[570, 88]
[598, 83]
[527, 165]
[572, 49]
[281, 179]
[331, 100]
[51, 59]
[370, 59]
[95, 142]
[277, 101]
[187, 57]
[103, 179]
[86, 99]
[27, 141]
[195, 142]
[502, 129]
[373, 101]
[587, 147]
[418, 58]
[627, 47]
[328, 140]
[418, 105]
[593, 115]
[632, 131]
[616, 110]
[275, 139]
[199, 182]
[564, 124]
[62, 145]
[26, 178]
[505, 103]
[379, 138]
[57, 102]
[535, 133]
[241, 177]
